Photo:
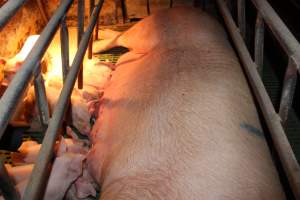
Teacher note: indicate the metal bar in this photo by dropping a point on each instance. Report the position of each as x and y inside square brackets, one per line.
[6, 185]
[241, 7]
[17, 86]
[148, 7]
[279, 29]
[97, 30]
[203, 4]
[41, 170]
[259, 43]
[90, 50]
[80, 14]
[288, 90]
[8, 10]
[64, 42]
[42, 11]
[124, 11]
[230, 5]
[272, 119]
[40, 94]
[171, 4]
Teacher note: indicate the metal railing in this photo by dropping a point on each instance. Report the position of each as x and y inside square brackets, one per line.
[8, 10]
[31, 70]
[275, 121]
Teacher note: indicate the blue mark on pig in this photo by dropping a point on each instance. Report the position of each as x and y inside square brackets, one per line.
[251, 129]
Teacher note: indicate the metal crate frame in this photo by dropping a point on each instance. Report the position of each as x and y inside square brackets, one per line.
[31, 69]
[275, 121]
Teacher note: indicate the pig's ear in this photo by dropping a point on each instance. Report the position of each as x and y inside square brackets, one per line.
[62, 147]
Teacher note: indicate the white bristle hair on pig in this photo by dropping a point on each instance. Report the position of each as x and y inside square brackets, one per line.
[178, 120]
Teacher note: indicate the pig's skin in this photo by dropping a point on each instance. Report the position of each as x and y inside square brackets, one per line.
[66, 169]
[172, 122]
[20, 173]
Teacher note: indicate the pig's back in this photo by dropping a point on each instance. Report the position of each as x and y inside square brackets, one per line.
[172, 28]
[180, 123]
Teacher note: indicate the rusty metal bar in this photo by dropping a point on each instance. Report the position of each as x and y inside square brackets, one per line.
[97, 30]
[64, 43]
[259, 43]
[8, 10]
[40, 95]
[41, 170]
[80, 14]
[13, 94]
[90, 50]
[148, 7]
[42, 11]
[6, 185]
[241, 12]
[124, 11]
[279, 29]
[288, 90]
[272, 119]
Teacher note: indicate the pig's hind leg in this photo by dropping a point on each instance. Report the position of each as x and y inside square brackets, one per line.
[109, 40]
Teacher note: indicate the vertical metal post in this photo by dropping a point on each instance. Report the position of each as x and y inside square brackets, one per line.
[42, 11]
[281, 143]
[230, 5]
[41, 171]
[80, 13]
[6, 185]
[242, 17]
[40, 94]
[124, 11]
[203, 4]
[64, 42]
[97, 30]
[288, 90]
[90, 50]
[259, 43]
[148, 7]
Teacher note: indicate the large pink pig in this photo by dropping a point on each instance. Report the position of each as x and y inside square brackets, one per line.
[178, 120]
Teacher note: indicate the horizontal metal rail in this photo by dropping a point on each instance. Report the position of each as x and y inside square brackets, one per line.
[272, 119]
[40, 173]
[291, 47]
[286, 39]
[267, 15]
[14, 93]
[8, 10]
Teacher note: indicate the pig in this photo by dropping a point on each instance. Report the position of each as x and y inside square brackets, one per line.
[85, 100]
[26, 155]
[29, 150]
[66, 169]
[19, 173]
[177, 119]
